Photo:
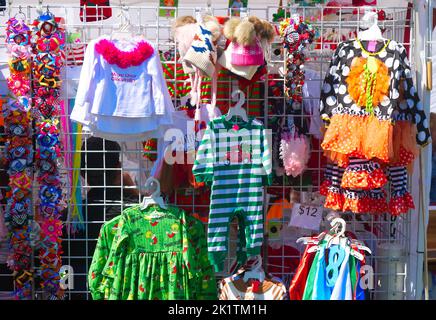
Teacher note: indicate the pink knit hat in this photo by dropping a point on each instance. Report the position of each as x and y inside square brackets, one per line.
[251, 55]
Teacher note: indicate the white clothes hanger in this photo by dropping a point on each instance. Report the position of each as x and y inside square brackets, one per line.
[256, 271]
[198, 15]
[155, 197]
[339, 227]
[243, 13]
[237, 110]
[369, 22]
[125, 28]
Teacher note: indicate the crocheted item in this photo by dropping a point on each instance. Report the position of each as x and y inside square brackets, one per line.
[150, 149]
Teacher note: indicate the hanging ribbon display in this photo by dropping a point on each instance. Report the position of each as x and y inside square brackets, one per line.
[19, 155]
[48, 59]
[297, 36]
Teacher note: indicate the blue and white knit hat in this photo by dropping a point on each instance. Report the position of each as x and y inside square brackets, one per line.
[202, 54]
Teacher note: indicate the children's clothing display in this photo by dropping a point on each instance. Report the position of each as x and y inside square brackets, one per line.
[330, 273]
[122, 94]
[296, 289]
[375, 123]
[152, 254]
[235, 159]
[217, 123]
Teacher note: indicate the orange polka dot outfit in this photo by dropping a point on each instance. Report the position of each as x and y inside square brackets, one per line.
[375, 125]
[401, 200]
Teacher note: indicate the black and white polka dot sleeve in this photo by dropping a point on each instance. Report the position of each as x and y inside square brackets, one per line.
[329, 90]
[415, 107]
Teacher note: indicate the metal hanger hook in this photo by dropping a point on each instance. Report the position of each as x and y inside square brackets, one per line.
[20, 11]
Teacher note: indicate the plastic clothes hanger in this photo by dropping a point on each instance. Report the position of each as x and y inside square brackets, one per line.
[369, 22]
[124, 31]
[155, 197]
[198, 15]
[322, 235]
[20, 13]
[256, 271]
[338, 238]
[237, 110]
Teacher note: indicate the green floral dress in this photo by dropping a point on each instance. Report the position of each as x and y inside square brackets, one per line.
[101, 254]
[154, 254]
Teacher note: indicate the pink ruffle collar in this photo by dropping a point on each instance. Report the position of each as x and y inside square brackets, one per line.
[124, 59]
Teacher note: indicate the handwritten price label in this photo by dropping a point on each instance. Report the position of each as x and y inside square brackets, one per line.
[306, 217]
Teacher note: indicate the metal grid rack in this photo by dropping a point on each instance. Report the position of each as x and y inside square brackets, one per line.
[383, 229]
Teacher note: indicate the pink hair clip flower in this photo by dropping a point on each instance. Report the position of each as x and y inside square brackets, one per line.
[18, 84]
[18, 51]
[52, 228]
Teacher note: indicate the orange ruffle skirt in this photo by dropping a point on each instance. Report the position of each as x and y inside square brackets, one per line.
[370, 138]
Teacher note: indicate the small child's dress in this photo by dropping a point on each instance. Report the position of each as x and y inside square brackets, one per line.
[235, 159]
[360, 100]
[152, 254]
[374, 121]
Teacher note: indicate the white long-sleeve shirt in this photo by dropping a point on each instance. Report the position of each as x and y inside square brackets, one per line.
[117, 102]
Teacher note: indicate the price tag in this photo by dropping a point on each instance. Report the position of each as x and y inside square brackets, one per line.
[306, 217]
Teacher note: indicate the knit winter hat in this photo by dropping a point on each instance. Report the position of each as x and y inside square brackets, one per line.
[184, 36]
[250, 55]
[202, 53]
[225, 60]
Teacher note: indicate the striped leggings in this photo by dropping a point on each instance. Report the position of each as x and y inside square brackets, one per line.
[230, 199]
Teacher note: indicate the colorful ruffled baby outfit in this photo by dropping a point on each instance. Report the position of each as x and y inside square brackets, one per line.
[375, 123]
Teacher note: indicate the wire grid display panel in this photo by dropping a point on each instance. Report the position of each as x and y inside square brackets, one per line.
[79, 248]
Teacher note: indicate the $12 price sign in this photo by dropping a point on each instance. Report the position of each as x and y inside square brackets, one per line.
[306, 217]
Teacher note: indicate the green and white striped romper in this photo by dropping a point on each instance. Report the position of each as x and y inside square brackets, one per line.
[236, 160]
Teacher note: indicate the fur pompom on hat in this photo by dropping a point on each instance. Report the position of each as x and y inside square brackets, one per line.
[230, 26]
[267, 31]
[212, 24]
[245, 33]
[183, 20]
